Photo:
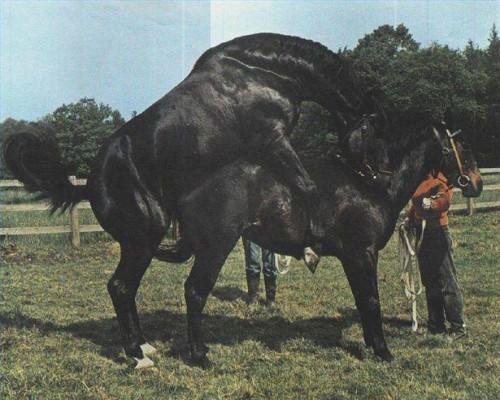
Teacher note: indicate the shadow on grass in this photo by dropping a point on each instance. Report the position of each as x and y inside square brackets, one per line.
[167, 326]
[228, 293]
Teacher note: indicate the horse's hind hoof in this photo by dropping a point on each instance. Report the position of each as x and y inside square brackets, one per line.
[147, 349]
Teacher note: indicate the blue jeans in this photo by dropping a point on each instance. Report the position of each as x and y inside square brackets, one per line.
[257, 259]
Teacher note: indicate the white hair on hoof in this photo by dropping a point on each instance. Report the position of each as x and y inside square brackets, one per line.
[144, 363]
[147, 349]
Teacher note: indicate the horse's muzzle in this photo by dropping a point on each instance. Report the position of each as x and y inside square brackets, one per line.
[471, 185]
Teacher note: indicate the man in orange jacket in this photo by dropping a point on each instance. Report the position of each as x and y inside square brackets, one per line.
[431, 202]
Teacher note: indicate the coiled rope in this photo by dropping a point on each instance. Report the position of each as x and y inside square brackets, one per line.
[410, 272]
[282, 263]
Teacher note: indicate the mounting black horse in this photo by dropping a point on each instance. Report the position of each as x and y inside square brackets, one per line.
[240, 100]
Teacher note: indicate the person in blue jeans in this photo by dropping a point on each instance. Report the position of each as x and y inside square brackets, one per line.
[258, 259]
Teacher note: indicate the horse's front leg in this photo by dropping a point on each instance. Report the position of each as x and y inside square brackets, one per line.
[361, 272]
[208, 262]
[278, 153]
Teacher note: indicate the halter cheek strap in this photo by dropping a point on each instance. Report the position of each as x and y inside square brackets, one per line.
[455, 151]
[463, 180]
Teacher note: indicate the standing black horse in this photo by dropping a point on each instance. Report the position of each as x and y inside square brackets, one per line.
[240, 100]
[245, 198]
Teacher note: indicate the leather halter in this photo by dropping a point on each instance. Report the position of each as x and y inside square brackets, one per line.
[463, 180]
[366, 171]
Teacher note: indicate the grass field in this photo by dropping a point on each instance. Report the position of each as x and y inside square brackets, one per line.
[59, 338]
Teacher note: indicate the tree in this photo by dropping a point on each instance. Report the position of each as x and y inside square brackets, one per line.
[475, 56]
[431, 83]
[376, 51]
[79, 129]
[313, 136]
[492, 67]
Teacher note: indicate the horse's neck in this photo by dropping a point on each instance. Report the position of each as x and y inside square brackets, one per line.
[414, 167]
[321, 75]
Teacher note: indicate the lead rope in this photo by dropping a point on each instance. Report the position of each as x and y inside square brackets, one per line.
[282, 263]
[411, 273]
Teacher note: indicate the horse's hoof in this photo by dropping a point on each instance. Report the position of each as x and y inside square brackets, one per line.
[147, 349]
[311, 259]
[144, 363]
[385, 355]
[202, 362]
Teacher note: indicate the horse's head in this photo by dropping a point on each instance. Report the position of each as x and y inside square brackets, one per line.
[364, 148]
[458, 163]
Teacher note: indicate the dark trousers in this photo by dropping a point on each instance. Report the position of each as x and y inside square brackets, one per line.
[439, 276]
[257, 259]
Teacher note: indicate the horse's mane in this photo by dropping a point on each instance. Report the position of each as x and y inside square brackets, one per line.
[289, 53]
[281, 45]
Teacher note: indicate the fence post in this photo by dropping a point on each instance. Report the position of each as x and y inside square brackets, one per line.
[470, 206]
[74, 220]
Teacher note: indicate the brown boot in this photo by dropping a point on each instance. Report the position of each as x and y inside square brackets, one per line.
[270, 283]
[253, 288]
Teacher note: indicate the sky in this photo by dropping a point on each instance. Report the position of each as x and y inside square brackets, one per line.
[129, 53]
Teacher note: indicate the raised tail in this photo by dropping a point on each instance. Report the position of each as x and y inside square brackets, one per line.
[35, 160]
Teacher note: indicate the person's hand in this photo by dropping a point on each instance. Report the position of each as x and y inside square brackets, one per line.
[426, 203]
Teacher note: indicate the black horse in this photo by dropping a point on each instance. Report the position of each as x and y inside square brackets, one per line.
[245, 198]
[240, 100]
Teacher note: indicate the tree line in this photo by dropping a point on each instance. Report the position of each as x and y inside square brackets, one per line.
[78, 128]
[436, 82]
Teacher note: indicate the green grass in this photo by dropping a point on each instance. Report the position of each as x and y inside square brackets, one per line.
[59, 338]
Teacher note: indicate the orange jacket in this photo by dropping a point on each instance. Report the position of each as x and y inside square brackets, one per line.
[440, 193]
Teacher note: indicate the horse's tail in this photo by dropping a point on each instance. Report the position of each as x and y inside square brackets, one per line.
[179, 252]
[35, 160]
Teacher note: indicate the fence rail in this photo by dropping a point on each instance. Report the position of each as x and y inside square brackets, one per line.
[74, 228]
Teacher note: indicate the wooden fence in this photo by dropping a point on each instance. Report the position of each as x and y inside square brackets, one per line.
[74, 227]
[473, 204]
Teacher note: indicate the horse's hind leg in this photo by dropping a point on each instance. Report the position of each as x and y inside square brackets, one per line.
[139, 231]
[362, 275]
[123, 287]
